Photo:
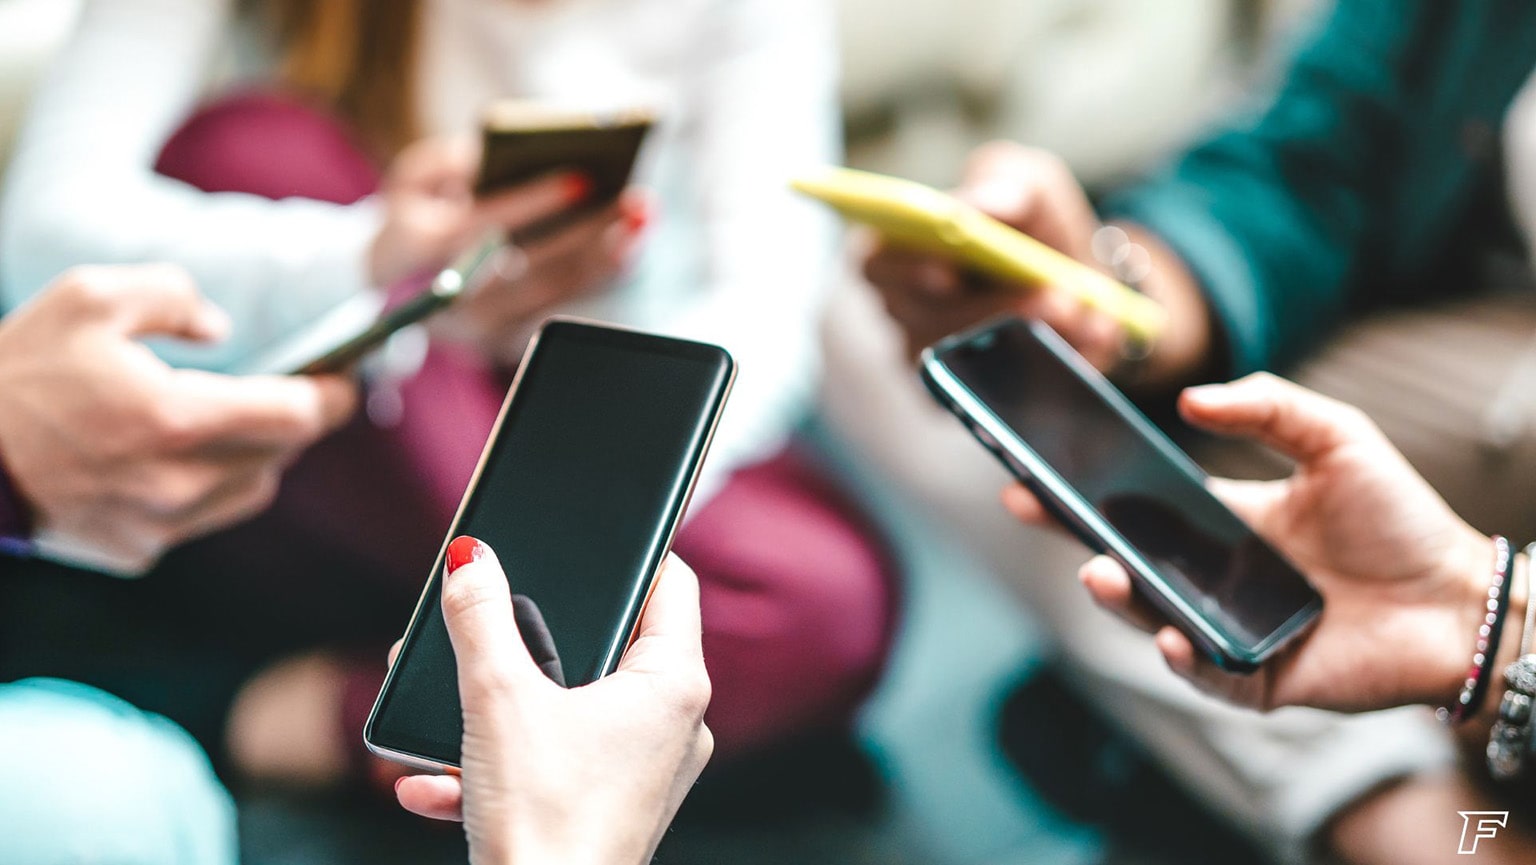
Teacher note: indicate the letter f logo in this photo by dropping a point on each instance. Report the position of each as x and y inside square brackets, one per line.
[1477, 825]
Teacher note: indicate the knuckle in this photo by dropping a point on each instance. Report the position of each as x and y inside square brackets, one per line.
[171, 428]
[87, 288]
[691, 695]
[464, 597]
[1354, 421]
[174, 493]
[704, 744]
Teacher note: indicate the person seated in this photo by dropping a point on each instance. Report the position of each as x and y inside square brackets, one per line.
[108, 456]
[1371, 182]
[335, 166]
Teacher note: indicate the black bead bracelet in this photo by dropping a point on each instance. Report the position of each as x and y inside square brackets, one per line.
[1475, 690]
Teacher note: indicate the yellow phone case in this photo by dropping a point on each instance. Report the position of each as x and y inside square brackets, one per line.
[912, 214]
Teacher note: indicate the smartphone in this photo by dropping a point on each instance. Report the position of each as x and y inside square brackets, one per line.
[579, 491]
[921, 217]
[524, 140]
[339, 342]
[1122, 486]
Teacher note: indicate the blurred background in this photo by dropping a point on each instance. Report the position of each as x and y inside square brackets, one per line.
[1112, 85]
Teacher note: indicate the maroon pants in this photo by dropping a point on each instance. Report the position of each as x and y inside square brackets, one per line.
[799, 598]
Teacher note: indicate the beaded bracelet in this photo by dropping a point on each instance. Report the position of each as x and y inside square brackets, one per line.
[1509, 742]
[1475, 690]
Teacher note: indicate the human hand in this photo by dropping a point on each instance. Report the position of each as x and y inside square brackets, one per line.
[578, 260]
[1404, 580]
[587, 775]
[431, 213]
[1035, 192]
[120, 456]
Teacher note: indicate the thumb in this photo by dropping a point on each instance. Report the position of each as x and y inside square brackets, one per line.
[670, 632]
[1254, 502]
[143, 300]
[1301, 424]
[477, 608]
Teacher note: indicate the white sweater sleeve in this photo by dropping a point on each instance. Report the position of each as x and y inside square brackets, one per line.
[82, 187]
[767, 110]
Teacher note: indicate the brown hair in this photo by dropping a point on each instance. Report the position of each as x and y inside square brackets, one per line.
[355, 57]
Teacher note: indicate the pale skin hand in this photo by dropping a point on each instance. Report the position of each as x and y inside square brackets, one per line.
[432, 215]
[118, 455]
[1403, 578]
[1034, 191]
[588, 775]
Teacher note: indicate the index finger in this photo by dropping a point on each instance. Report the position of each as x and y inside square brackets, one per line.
[258, 411]
[530, 203]
[1297, 422]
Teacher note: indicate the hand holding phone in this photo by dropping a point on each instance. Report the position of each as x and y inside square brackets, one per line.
[630, 746]
[524, 140]
[925, 219]
[580, 488]
[1405, 580]
[1104, 471]
[341, 340]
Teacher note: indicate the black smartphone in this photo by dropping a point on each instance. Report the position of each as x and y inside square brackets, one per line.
[523, 140]
[1122, 486]
[337, 346]
[579, 491]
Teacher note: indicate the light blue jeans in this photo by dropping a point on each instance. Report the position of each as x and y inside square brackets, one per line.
[87, 778]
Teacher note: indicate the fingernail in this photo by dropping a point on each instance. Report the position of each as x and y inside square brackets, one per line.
[463, 550]
[637, 216]
[398, 782]
[577, 187]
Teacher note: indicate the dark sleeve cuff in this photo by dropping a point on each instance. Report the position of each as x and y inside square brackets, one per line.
[1184, 221]
[15, 519]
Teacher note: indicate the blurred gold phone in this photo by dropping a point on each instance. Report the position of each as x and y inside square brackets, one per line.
[911, 214]
[524, 140]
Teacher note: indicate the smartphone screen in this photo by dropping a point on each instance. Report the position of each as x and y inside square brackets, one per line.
[579, 492]
[1132, 477]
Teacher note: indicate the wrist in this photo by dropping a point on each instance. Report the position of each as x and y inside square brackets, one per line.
[1471, 567]
[570, 839]
[1183, 351]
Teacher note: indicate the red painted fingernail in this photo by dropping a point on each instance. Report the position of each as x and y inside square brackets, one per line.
[637, 216]
[577, 187]
[464, 550]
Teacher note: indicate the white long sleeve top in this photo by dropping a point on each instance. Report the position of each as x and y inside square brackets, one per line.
[745, 89]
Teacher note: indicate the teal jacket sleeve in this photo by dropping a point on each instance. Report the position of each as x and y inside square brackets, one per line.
[1273, 216]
